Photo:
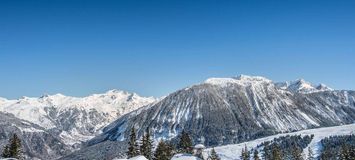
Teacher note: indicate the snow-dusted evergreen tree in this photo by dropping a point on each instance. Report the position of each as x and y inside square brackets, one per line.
[13, 149]
[164, 151]
[185, 144]
[245, 153]
[276, 152]
[256, 155]
[133, 148]
[147, 145]
[296, 153]
[213, 155]
[266, 155]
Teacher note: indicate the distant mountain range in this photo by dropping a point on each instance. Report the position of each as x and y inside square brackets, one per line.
[223, 111]
[215, 112]
[71, 120]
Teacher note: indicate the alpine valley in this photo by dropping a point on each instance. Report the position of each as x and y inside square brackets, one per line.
[218, 111]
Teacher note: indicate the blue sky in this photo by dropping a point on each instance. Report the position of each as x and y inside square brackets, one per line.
[156, 47]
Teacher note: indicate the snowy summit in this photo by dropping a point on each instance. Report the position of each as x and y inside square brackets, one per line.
[243, 80]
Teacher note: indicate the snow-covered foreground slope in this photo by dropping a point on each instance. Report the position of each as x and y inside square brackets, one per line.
[175, 157]
[74, 119]
[133, 158]
[233, 152]
[184, 157]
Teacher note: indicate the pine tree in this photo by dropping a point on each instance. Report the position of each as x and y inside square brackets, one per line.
[276, 152]
[256, 155]
[245, 153]
[310, 155]
[133, 149]
[266, 155]
[185, 144]
[13, 149]
[296, 153]
[163, 152]
[146, 147]
[213, 155]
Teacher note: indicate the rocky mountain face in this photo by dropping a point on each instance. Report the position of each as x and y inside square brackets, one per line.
[231, 110]
[73, 119]
[37, 143]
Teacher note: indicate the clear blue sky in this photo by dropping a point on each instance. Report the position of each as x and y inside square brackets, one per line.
[153, 47]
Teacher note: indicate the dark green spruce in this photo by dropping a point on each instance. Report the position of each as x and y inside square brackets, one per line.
[185, 144]
[147, 145]
[245, 153]
[213, 155]
[13, 149]
[133, 148]
[256, 155]
[164, 151]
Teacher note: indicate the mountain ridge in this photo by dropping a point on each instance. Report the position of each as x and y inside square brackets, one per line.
[217, 111]
[75, 119]
[243, 108]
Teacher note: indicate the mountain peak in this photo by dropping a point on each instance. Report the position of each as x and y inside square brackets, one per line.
[241, 80]
[296, 86]
[114, 91]
[302, 86]
[58, 95]
[243, 77]
[323, 87]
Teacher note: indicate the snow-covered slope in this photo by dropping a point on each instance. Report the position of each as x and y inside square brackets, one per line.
[74, 119]
[233, 152]
[230, 110]
[133, 158]
[184, 157]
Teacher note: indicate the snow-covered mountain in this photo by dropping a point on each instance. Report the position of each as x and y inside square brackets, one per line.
[302, 86]
[36, 141]
[231, 110]
[74, 119]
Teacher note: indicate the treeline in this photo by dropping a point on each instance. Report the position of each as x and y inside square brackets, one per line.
[338, 147]
[165, 150]
[281, 148]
